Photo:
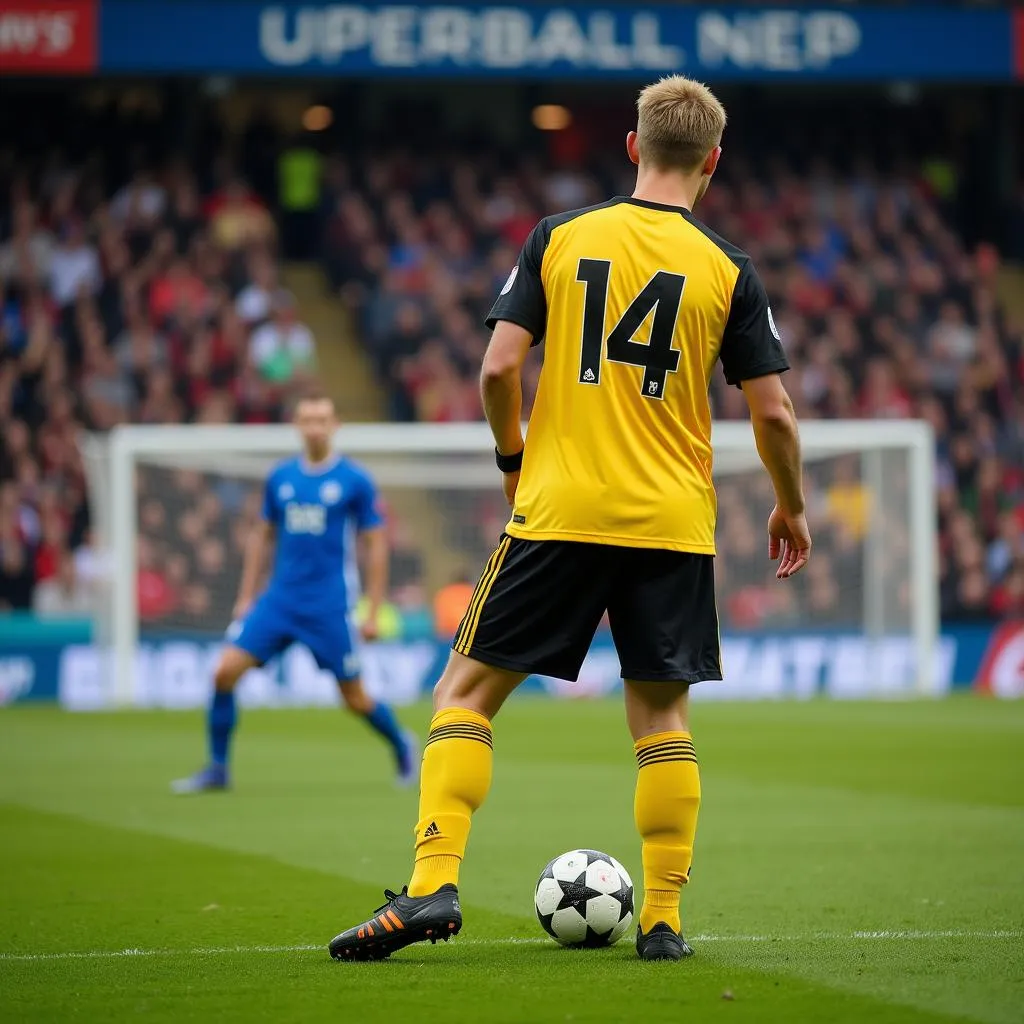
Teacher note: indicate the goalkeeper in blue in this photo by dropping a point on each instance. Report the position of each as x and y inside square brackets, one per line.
[318, 506]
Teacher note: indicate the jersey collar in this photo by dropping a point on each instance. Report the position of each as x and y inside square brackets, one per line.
[664, 207]
[319, 468]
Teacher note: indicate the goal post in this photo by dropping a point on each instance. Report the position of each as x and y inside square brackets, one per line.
[871, 494]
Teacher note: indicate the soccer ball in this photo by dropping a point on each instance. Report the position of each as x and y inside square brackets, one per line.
[585, 898]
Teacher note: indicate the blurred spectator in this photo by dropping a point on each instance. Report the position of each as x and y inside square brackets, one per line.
[450, 604]
[238, 219]
[26, 257]
[74, 265]
[253, 304]
[282, 349]
[156, 595]
[64, 594]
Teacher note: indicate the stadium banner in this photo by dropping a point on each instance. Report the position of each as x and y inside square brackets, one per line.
[37, 37]
[175, 672]
[555, 40]
[1002, 668]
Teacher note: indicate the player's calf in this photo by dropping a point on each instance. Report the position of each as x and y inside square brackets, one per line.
[379, 717]
[221, 720]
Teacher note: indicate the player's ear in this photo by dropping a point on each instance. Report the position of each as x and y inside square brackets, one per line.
[633, 148]
[711, 163]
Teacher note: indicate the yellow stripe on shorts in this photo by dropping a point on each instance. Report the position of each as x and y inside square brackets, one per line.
[477, 605]
[464, 625]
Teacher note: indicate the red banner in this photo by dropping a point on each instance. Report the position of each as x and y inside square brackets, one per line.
[47, 38]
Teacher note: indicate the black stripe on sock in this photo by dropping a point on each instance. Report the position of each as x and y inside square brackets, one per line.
[666, 742]
[677, 749]
[664, 759]
[460, 727]
[438, 734]
[662, 747]
[645, 755]
[464, 731]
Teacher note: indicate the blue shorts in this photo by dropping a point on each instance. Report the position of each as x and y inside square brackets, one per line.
[273, 625]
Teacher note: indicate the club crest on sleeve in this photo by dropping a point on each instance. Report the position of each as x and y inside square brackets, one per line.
[511, 280]
[330, 492]
[771, 324]
[286, 492]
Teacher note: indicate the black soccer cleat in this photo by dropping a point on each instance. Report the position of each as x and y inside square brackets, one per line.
[403, 920]
[661, 943]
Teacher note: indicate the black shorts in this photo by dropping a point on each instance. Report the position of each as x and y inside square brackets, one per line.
[539, 602]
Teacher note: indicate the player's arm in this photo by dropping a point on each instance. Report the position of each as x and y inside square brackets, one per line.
[257, 544]
[753, 359]
[254, 559]
[778, 439]
[501, 384]
[374, 552]
[517, 319]
[374, 543]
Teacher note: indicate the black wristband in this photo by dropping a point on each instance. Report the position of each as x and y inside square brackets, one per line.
[509, 463]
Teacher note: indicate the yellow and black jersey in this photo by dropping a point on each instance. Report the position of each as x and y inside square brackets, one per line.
[636, 302]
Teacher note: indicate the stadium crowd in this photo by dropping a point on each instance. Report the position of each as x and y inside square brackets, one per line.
[160, 301]
[148, 304]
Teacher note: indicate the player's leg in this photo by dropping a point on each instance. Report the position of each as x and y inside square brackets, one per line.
[455, 776]
[665, 806]
[334, 649]
[261, 636]
[665, 626]
[535, 609]
[381, 718]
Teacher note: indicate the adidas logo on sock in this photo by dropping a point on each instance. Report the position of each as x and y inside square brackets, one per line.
[431, 830]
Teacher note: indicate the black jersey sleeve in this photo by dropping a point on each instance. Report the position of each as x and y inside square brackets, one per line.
[751, 346]
[522, 299]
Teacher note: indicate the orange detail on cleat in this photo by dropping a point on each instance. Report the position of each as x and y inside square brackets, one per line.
[369, 930]
[361, 934]
[387, 924]
[395, 919]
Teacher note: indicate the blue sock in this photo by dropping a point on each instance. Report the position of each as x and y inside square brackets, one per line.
[382, 720]
[221, 724]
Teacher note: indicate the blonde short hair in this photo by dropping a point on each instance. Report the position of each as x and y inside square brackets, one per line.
[679, 121]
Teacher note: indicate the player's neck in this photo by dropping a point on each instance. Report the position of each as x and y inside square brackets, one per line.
[316, 459]
[666, 188]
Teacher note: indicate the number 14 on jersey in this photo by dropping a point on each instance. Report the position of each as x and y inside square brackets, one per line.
[662, 294]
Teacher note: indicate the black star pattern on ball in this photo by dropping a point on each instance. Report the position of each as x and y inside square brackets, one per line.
[576, 893]
[625, 898]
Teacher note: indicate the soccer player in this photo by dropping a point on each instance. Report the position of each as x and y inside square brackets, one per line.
[613, 506]
[316, 506]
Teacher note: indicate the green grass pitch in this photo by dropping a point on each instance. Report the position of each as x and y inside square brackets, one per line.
[855, 863]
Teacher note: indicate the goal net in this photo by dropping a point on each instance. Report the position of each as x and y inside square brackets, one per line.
[174, 504]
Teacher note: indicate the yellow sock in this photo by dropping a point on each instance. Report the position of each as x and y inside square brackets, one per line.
[667, 801]
[454, 780]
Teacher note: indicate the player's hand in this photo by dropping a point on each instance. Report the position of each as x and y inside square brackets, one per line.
[241, 609]
[509, 483]
[369, 628]
[789, 542]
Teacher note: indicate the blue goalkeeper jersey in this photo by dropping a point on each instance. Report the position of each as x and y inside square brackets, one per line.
[316, 512]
